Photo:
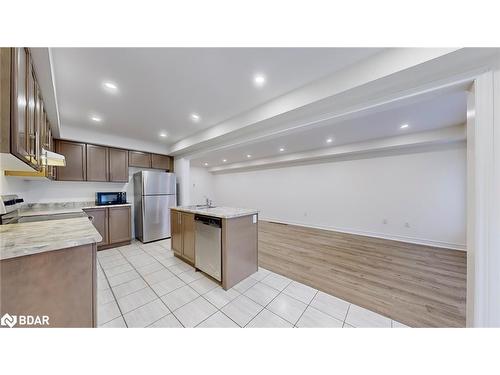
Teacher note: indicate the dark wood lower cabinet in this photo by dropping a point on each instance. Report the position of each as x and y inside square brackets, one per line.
[100, 221]
[58, 284]
[119, 224]
[176, 231]
[182, 229]
[113, 224]
[188, 236]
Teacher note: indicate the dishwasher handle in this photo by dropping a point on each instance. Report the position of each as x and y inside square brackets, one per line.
[208, 220]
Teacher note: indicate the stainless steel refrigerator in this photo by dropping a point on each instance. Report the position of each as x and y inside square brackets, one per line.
[154, 194]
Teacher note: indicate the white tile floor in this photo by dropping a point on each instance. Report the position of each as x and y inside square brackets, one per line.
[144, 285]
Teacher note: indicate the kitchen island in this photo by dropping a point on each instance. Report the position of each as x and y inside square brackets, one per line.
[48, 269]
[233, 230]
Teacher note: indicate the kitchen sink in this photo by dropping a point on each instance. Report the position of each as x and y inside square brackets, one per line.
[199, 206]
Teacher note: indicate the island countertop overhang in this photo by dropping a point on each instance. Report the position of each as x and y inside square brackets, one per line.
[219, 212]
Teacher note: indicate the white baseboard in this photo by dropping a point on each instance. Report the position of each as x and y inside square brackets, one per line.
[413, 240]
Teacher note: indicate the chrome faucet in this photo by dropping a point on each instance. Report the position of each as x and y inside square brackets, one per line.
[208, 202]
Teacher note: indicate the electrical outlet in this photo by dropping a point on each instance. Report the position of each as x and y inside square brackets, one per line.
[384, 221]
[407, 225]
[305, 214]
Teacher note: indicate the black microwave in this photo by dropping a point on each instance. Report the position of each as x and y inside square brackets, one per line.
[104, 199]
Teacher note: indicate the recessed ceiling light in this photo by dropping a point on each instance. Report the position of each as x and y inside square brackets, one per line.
[163, 134]
[282, 149]
[259, 80]
[329, 140]
[249, 156]
[195, 117]
[224, 160]
[110, 86]
[404, 126]
[205, 164]
[96, 118]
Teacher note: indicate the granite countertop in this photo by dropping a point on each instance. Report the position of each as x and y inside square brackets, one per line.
[220, 212]
[38, 237]
[34, 209]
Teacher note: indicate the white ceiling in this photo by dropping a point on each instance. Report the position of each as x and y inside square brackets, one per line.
[160, 87]
[443, 111]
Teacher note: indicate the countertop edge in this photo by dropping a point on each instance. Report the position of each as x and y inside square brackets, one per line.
[41, 246]
[248, 212]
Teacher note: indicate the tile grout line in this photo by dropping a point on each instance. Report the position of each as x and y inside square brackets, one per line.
[347, 313]
[309, 304]
[149, 285]
[218, 310]
[115, 300]
[280, 292]
[186, 284]
[156, 256]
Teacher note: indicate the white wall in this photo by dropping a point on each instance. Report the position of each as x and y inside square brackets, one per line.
[426, 189]
[201, 186]
[45, 191]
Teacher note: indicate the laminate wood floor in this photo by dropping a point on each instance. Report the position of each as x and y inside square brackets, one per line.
[420, 286]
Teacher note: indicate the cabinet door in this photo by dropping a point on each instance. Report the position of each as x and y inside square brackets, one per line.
[50, 146]
[37, 141]
[97, 163]
[188, 236]
[176, 231]
[160, 162]
[76, 165]
[100, 222]
[118, 165]
[19, 144]
[139, 159]
[119, 224]
[32, 97]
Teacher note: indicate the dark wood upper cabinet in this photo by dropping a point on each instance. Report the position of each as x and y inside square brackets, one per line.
[76, 161]
[119, 226]
[160, 162]
[24, 126]
[19, 136]
[118, 165]
[97, 163]
[139, 159]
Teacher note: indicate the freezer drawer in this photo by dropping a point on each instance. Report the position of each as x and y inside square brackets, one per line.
[208, 254]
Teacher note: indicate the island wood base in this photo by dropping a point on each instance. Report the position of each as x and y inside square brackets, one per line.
[60, 284]
[239, 244]
[239, 249]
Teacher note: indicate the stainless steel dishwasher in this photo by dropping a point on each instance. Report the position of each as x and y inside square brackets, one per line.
[208, 254]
